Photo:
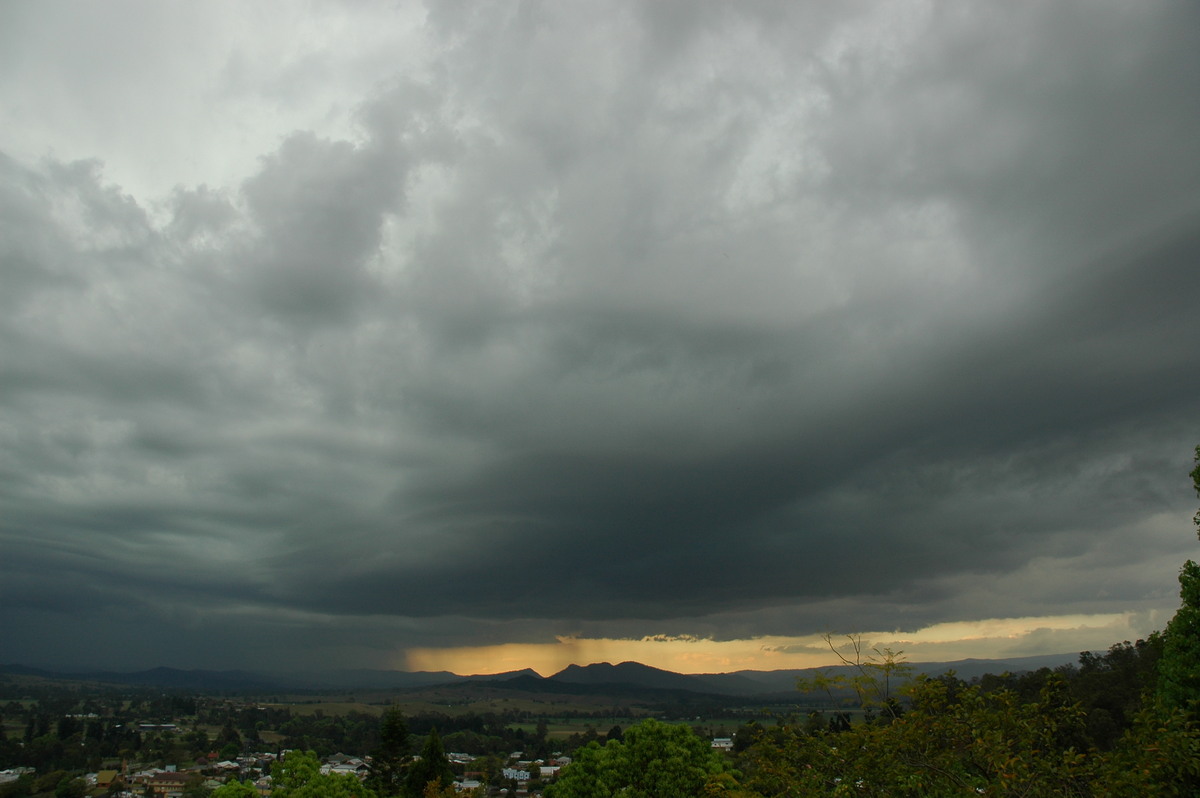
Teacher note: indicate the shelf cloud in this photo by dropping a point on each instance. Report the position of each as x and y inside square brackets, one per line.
[385, 329]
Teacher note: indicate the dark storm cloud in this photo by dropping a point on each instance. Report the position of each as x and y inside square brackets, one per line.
[737, 321]
[318, 206]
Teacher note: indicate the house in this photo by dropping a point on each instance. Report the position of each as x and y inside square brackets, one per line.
[723, 743]
[9, 775]
[167, 785]
[348, 768]
[106, 778]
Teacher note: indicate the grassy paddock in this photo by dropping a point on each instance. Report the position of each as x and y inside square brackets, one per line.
[333, 708]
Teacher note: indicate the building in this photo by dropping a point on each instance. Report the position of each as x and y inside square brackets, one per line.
[106, 778]
[167, 785]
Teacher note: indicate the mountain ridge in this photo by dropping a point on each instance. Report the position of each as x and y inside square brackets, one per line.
[589, 678]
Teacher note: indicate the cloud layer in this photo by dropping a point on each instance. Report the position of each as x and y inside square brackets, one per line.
[382, 329]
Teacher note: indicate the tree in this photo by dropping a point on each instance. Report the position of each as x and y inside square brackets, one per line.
[70, 788]
[431, 767]
[229, 743]
[1158, 756]
[390, 758]
[66, 727]
[1196, 484]
[1179, 668]
[197, 738]
[654, 760]
[875, 678]
[954, 740]
[1113, 687]
[235, 789]
[299, 775]
[229, 734]
[435, 790]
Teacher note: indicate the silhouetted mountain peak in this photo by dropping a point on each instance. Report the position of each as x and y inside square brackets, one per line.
[630, 673]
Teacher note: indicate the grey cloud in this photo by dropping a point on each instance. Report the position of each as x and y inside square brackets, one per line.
[319, 207]
[690, 320]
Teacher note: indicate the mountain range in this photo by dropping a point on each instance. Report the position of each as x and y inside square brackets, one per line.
[574, 679]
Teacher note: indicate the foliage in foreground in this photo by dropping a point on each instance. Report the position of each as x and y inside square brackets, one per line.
[653, 760]
[958, 739]
[299, 776]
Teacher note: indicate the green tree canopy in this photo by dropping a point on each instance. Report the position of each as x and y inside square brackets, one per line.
[954, 740]
[653, 760]
[1179, 668]
[235, 789]
[299, 775]
[229, 736]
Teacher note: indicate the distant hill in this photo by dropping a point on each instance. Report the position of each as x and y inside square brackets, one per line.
[350, 679]
[168, 678]
[595, 679]
[750, 683]
[637, 675]
[628, 673]
[972, 668]
[781, 681]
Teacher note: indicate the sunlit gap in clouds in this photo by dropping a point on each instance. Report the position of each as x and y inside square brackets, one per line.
[994, 638]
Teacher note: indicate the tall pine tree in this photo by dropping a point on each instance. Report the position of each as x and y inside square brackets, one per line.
[431, 767]
[389, 760]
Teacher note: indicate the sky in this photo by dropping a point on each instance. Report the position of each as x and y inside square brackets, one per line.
[488, 335]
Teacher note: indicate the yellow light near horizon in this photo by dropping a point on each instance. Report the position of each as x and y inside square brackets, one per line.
[692, 656]
[993, 638]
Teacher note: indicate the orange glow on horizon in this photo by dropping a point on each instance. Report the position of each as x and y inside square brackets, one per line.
[986, 639]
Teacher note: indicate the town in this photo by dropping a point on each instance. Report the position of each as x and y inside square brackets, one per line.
[135, 780]
[70, 739]
[1115, 720]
